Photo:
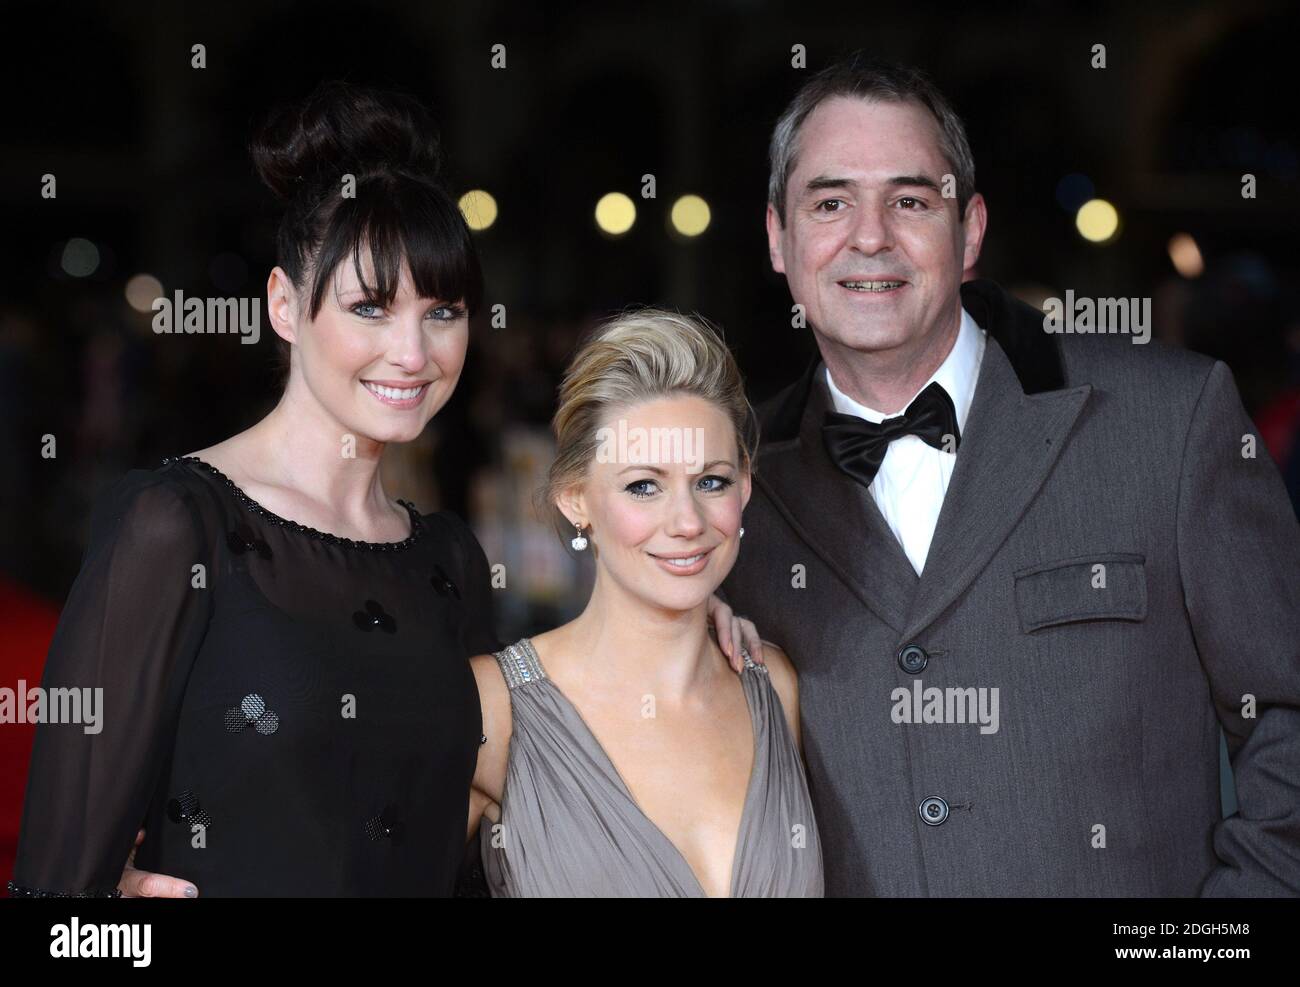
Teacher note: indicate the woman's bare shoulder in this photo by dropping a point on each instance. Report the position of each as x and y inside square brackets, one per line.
[785, 680]
[494, 693]
[228, 457]
[778, 663]
[494, 745]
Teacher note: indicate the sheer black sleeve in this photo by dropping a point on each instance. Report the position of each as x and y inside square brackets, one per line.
[480, 636]
[123, 647]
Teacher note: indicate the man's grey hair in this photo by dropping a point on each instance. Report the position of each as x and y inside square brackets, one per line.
[868, 78]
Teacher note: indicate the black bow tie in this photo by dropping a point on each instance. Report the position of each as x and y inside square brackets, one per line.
[858, 446]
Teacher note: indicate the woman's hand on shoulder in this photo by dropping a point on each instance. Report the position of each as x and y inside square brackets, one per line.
[734, 632]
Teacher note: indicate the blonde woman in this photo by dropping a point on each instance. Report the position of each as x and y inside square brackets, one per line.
[622, 755]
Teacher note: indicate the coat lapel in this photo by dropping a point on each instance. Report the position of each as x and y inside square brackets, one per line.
[1011, 442]
[1020, 419]
[827, 509]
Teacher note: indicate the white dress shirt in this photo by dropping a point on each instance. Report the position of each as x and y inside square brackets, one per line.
[913, 478]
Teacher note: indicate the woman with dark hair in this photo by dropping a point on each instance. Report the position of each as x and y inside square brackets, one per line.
[286, 704]
[278, 647]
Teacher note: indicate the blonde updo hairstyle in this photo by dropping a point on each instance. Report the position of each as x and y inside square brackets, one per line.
[637, 356]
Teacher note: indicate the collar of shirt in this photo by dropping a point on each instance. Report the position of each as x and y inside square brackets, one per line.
[957, 375]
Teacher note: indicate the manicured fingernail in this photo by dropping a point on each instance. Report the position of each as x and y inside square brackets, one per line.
[191, 891]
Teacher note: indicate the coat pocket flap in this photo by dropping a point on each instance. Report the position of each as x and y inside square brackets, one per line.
[1109, 586]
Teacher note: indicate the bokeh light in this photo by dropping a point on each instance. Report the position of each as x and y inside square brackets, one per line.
[1186, 255]
[615, 213]
[479, 209]
[1097, 221]
[141, 291]
[80, 257]
[690, 215]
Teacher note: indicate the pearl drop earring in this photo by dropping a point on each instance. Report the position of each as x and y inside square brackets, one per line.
[580, 542]
[742, 532]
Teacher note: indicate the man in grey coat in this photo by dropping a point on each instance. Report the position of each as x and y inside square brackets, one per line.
[1025, 575]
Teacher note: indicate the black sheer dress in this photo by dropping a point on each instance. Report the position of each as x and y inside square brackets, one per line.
[286, 712]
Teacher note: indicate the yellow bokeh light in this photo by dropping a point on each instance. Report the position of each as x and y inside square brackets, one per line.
[690, 215]
[479, 209]
[615, 213]
[1097, 221]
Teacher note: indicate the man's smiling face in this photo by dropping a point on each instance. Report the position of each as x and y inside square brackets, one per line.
[869, 246]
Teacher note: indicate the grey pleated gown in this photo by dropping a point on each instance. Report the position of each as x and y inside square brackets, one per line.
[570, 828]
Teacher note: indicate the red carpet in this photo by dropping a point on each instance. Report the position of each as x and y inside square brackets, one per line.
[28, 623]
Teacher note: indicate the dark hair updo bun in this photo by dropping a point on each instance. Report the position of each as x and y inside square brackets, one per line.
[401, 213]
[304, 144]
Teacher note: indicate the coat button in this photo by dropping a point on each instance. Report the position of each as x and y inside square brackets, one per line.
[934, 811]
[912, 658]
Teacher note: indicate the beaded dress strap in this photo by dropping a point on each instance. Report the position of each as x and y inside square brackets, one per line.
[519, 663]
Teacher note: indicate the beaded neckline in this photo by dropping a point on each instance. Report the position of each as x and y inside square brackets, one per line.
[417, 523]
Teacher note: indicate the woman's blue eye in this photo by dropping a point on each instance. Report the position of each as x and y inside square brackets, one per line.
[722, 483]
[709, 484]
[442, 313]
[452, 312]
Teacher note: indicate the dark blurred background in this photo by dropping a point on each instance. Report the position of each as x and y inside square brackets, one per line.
[154, 182]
